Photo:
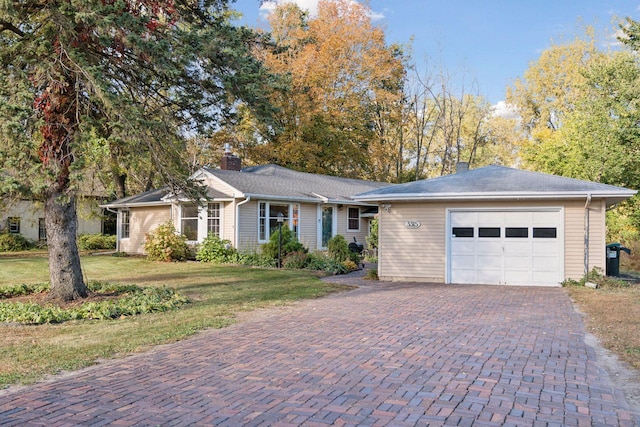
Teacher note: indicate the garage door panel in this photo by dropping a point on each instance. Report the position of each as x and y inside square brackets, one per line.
[462, 247]
[490, 277]
[545, 219]
[489, 246]
[518, 277]
[463, 219]
[489, 262]
[518, 219]
[520, 247]
[518, 263]
[545, 247]
[545, 263]
[545, 278]
[463, 262]
[464, 276]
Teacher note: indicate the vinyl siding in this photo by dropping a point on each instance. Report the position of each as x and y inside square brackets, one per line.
[29, 213]
[142, 221]
[574, 238]
[343, 226]
[309, 225]
[412, 254]
[248, 223]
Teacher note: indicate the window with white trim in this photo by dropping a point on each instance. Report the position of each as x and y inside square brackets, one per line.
[268, 218]
[353, 219]
[125, 218]
[189, 221]
[13, 223]
[213, 219]
[42, 230]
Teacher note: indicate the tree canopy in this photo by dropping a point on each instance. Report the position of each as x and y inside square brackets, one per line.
[116, 84]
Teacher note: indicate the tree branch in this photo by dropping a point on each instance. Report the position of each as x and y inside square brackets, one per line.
[9, 26]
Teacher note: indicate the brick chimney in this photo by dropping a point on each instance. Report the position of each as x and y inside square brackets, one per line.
[229, 161]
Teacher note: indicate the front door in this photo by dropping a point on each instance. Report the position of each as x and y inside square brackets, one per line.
[326, 229]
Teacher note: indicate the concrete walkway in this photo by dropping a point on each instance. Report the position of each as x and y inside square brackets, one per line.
[383, 354]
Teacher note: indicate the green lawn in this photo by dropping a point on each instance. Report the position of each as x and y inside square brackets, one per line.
[218, 293]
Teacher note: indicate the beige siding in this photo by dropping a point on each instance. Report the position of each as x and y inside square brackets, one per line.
[228, 213]
[412, 254]
[343, 226]
[142, 221]
[309, 225]
[420, 254]
[248, 223]
[89, 221]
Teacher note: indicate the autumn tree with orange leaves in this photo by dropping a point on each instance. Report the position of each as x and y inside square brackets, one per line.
[345, 87]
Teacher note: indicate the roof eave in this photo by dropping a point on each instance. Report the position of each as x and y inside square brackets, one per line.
[614, 197]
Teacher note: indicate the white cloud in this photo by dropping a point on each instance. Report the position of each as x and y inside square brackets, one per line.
[502, 109]
[309, 5]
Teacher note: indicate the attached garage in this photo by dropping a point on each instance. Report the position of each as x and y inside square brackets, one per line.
[493, 225]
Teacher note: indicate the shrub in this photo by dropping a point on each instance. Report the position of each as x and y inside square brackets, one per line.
[290, 244]
[322, 262]
[216, 250]
[371, 274]
[350, 265]
[14, 242]
[92, 242]
[296, 260]
[338, 248]
[372, 238]
[253, 260]
[165, 244]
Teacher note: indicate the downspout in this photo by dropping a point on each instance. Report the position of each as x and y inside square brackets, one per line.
[237, 221]
[586, 234]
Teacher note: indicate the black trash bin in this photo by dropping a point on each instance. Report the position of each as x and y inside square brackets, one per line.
[613, 258]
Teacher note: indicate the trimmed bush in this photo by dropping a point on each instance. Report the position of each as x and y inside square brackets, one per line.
[92, 242]
[14, 242]
[290, 244]
[216, 250]
[165, 244]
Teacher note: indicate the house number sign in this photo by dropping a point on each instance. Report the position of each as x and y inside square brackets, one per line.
[412, 225]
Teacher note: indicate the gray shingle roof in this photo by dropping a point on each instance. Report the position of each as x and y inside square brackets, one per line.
[268, 181]
[496, 182]
[276, 181]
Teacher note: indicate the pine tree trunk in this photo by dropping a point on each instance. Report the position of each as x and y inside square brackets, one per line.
[65, 272]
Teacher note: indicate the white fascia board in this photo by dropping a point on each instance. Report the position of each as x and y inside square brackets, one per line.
[134, 205]
[299, 199]
[514, 195]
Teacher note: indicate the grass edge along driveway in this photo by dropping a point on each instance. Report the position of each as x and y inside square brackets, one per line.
[218, 294]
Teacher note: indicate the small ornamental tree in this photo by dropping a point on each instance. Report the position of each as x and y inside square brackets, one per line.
[290, 244]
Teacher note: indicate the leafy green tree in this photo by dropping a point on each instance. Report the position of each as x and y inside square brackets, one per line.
[118, 83]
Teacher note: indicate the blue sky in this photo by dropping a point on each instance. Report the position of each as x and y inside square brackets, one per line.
[489, 42]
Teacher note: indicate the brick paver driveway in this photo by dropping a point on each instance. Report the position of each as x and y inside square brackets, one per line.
[384, 354]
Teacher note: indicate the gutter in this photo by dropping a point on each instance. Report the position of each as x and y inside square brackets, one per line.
[586, 234]
[237, 221]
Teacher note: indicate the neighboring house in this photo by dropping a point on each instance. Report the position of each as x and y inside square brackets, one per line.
[26, 217]
[492, 225]
[243, 207]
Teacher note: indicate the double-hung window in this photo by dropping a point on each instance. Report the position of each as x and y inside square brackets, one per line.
[125, 218]
[268, 218]
[42, 230]
[189, 221]
[213, 219]
[353, 219]
[13, 224]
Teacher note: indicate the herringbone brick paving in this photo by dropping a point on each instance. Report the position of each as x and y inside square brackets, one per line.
[384, 354]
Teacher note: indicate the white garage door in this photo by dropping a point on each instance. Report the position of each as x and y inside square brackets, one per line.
[505, 247]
